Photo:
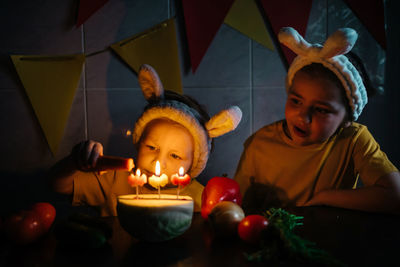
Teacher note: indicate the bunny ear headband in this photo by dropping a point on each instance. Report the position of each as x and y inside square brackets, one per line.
[223, 122]
[331, 56]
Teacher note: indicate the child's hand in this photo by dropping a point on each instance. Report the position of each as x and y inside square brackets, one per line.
[86, 153]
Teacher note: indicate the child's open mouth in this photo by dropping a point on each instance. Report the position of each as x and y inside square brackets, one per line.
[299, 132]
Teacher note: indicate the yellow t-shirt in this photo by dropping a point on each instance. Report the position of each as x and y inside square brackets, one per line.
[101, 191]
[271, 158]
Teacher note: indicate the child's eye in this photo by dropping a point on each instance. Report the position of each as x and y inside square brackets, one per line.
[295, 101]
[322, 110]
[150, 147]
[175, 156]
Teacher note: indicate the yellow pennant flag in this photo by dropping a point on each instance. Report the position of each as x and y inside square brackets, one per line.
[158, 48]
[50, 83]
[245, 17]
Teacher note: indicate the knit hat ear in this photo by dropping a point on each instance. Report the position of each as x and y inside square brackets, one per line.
[150, 83]
[339, 43]
[225, 121]
[293, 40]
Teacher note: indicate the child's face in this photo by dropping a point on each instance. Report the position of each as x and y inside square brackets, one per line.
[169, 143]
[314, 110]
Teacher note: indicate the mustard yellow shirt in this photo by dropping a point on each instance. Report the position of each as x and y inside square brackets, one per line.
[101, 191]
[271, 158]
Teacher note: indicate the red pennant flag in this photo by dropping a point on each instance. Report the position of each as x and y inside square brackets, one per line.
[87, 8]
[287, 13]
[203, 19]
[371, 14]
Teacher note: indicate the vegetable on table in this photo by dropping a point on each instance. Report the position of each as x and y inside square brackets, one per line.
[225, 218]
[152, 219]
[280, 243]
[27, 226]
[82, 231]
[251, 227]
[219, 189]
[46, 213]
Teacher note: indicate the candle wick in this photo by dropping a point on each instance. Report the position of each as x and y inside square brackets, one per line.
[179, 187]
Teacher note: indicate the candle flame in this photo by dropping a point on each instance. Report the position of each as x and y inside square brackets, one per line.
[138, 172]
[158, 171]
[181, 171]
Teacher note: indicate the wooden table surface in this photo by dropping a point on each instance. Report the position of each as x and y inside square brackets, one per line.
[355, 238]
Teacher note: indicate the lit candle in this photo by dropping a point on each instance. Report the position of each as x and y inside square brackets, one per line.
[137, 180]
[181, 179]
[158, 180]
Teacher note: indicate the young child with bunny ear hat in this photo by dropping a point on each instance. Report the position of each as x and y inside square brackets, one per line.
[174, 130]
[318, 153]
[177, 109]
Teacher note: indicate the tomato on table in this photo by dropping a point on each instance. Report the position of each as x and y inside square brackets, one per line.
[46, 213]
[26, 226]
[23, 227]
[251, 227]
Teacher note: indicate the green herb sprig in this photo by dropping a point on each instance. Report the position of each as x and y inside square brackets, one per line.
[280, 243]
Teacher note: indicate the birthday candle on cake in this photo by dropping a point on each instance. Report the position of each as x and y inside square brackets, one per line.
[180, 179]
[137, 180]
[158, 180]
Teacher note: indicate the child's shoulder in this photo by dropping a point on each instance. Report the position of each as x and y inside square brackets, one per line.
[357, 133]
[269, 131]
[355, 129]
[272, 128]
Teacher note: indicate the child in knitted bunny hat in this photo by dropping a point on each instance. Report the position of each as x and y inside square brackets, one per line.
[317, 153]
[173, 130]
[178, 110]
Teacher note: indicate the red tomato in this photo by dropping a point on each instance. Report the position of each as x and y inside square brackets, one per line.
[23, 227]
[28, 225]
[219, 189]
[46, 213]
[250, 228]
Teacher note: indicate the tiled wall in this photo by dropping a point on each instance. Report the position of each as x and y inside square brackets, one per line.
[234, 71]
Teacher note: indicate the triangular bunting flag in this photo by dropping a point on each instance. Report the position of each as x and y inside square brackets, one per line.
[87, 8]
[372, 16]
[202, 20]
[287, 13]
[245, 17]
[157, 47]
[50, 83]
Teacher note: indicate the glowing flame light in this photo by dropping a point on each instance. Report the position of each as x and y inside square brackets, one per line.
[181, 171]
[138, 172]
[158, 171]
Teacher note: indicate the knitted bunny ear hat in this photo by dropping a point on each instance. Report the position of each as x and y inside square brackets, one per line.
[153, 91]
[331, 56]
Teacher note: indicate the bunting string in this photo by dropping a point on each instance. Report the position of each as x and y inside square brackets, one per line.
[51, 81]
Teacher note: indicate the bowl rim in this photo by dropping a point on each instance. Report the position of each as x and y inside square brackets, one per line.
[154, 197]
